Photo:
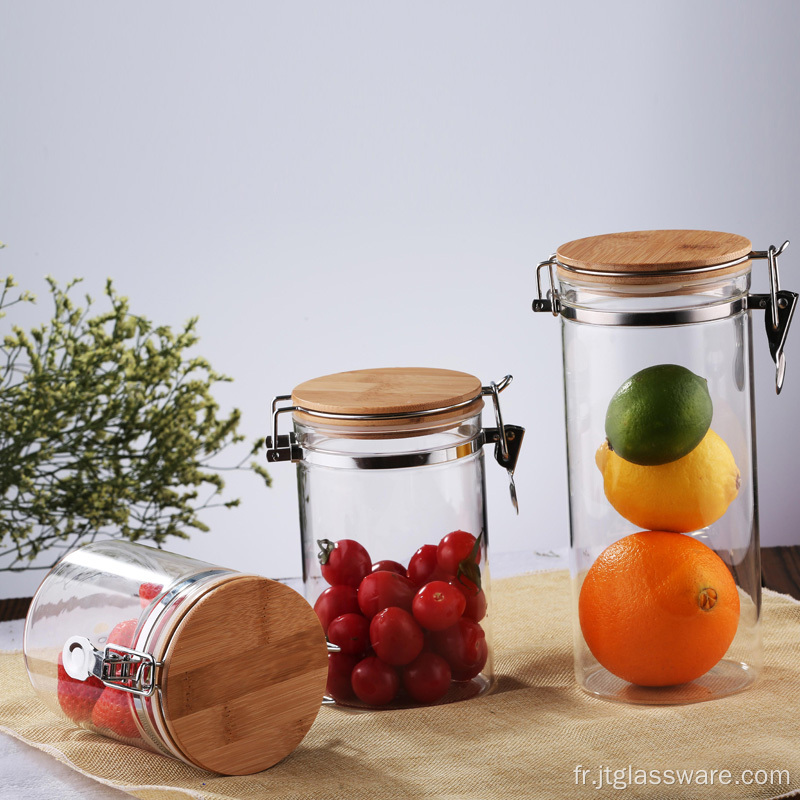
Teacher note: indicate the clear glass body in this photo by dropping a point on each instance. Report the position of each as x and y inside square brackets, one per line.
[597, 360]
[109, 592]
[393, 494]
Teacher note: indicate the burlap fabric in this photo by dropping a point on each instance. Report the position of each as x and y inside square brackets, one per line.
[531, 738]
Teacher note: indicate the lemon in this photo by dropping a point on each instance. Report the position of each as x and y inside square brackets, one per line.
[683, 495]
[659, 415]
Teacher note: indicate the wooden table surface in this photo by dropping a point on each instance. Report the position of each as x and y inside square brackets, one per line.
[780, 571]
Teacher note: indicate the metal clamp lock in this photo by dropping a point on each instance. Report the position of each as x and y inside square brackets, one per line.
[283, 447]
[550, 302]
[507, 438]
[116, 666]
[779, 307]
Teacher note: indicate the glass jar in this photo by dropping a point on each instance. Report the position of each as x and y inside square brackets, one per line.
[176, 656]
[665, 560]
[393, 528]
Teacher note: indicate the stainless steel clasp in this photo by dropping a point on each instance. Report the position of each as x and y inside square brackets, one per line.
[507, 438]
[282, 447]
[120, 667]
[778, 306]
[550, 302]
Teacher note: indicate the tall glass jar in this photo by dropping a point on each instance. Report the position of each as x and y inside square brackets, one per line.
[393, 526]
[665, 561]
[177, 656]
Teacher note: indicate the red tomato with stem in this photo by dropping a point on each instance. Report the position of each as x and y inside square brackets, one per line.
[438, 605]
[340, 668]
[382, 589]
[335, 601]
[389, 566]
[427, 678]
[374, 681]
[343, 562]
[455, 548]
[351, 633]
[395, 636]
[424, 567]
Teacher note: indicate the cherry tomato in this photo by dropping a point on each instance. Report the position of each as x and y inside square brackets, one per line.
[374, 681]
[476, 598]
[454, 548]
[335, 601]
[351, 633]
[463, 646]
[424, 567]
[344, 562]
[382, 589]
[438, 605]
[469, 671]
[476, 604]
[389, 566]
[396, 638]
[427, 678]
[340, 668]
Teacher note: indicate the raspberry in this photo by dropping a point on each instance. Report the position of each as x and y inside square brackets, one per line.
[77, 698]
[114, 712]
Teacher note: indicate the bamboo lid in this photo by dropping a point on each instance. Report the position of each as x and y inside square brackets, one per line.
[390, 392]
[644, 255]
[244, 676]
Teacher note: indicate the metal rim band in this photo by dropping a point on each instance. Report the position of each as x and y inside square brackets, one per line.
[443, 455]
[178, 593]
[682, 316]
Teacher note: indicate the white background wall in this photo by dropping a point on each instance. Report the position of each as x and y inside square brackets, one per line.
[334, 186]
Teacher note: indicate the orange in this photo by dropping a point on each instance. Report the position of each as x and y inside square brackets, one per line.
[658, 608]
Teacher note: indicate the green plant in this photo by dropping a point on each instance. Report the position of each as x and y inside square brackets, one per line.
[107, 428]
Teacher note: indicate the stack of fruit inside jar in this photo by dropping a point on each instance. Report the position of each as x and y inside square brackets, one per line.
[91, 703]
[659, 607]
[406, 634]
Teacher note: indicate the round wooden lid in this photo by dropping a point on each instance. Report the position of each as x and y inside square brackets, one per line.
[244, 676]
[641, 253]
[389, 391]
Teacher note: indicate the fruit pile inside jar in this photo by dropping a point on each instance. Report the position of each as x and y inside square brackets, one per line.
[659, 607]
[107, 709]
[404, 633]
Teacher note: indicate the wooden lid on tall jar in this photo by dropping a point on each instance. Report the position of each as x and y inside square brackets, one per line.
[661, 256]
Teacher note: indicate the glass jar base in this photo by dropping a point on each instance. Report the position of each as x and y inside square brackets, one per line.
[458, 691]
[726, 678]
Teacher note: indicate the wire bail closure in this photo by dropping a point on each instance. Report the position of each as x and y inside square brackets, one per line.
[122, 668]
[507, 438]
[778, 305]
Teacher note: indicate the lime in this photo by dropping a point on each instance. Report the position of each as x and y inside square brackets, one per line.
[658, 415]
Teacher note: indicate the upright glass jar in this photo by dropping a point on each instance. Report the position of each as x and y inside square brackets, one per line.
[176, 656]
[393, 526]
[665, 562]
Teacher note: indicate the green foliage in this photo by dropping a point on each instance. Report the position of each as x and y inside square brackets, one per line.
[107, 427]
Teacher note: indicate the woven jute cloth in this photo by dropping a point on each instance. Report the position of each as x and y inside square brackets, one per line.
[532, 737]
